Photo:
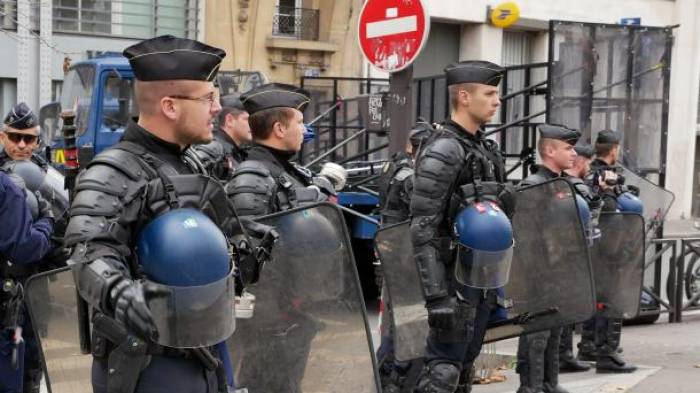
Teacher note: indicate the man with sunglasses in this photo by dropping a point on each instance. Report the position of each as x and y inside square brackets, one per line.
[20, 136]
[22, 232]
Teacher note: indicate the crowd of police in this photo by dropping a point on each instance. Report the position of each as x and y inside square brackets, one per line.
[181, 189]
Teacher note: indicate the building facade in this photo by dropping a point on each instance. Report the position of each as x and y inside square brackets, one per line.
[38, 39]
[287, 39]
[460, 32]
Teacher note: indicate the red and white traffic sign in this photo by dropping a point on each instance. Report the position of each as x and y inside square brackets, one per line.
[392, 32]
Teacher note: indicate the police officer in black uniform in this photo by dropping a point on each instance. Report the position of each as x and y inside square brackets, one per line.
[456, 167]
[538, 353]
[600, 338]
[396, 182]
[231, 137]
[20, 138]
[268, 181]
[395, 190]
[582, 165]
[151, 172]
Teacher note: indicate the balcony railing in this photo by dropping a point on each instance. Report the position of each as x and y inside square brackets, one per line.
[299, 23]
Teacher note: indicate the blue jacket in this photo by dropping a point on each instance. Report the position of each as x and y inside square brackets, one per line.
[21, 240]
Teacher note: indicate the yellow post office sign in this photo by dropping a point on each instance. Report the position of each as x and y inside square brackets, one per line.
[504, 14]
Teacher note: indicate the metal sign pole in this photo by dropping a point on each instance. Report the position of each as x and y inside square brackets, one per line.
[401, 108]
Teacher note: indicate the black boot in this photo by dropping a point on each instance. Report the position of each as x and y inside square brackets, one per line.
[587, 351]
[567, 361]
[609, 359]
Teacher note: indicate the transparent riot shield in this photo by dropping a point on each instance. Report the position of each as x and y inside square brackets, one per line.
[52, 301]
[618, 264]
[550, 280]
[308, 331]
[657, 201]
[404, 290]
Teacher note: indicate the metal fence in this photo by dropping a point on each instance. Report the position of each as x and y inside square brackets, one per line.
[300, 23]
[613, 77]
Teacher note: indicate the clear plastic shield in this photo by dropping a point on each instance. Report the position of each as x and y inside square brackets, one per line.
[550, 282]
[193, 317]
[308, 332]
[404, 290]
[657, 201]
[551, 278]
[52, 301]
[618, 264]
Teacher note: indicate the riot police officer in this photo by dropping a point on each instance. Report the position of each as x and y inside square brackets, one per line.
[395, 189]
[582, 164]
[268, 181]
[148, 183]
[396, 183]
[232, 135]
[457, 169]
[600, 339]
[20, 138]
[538, 353]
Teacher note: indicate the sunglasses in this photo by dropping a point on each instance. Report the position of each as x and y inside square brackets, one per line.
[16, 137]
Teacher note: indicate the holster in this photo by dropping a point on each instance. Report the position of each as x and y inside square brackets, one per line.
[127, 356]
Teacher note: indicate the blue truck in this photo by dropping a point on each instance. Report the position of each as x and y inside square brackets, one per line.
[100, 93]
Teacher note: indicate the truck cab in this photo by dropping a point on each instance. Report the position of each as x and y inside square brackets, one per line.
[100, 93]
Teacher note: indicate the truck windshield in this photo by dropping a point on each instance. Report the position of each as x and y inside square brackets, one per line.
[118, 104]
[76, 95]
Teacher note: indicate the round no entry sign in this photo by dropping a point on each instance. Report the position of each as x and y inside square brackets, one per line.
[392, 32]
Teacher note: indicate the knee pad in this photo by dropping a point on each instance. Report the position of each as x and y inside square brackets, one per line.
[439, 377]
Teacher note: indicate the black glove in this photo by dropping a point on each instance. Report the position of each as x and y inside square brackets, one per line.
[45, 210]
[130, 308]
[251, 257]
[441, 313]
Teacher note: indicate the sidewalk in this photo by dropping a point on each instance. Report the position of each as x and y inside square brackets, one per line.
[667, 356]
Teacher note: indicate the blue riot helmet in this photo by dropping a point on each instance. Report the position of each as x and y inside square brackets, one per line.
[185, 256]
[309, 133]
[484, 246]
[629, 203]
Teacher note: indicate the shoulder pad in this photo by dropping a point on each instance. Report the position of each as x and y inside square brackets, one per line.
[403, 174]
[252, 167]
[124, 161]
[535, 178]
[445, 148]
[210, 152]
[105, 178]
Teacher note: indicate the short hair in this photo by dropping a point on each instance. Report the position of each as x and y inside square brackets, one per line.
[225, 111]
[261, 122]
[603, 149]
[454, 92]
[542, 143]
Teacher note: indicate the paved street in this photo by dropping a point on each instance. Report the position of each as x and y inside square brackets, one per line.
[667, 355]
